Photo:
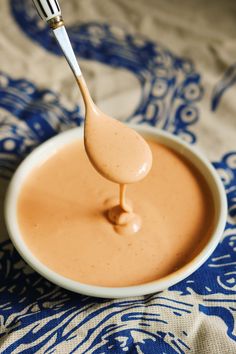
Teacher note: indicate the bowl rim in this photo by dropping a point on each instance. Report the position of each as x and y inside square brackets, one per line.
[55, 143]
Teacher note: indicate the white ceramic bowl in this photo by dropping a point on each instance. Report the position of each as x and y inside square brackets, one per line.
[48, 148]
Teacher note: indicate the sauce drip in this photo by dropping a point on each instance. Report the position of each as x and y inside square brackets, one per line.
[125, 221]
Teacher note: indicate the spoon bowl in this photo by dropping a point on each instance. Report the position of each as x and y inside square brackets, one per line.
[116, 151]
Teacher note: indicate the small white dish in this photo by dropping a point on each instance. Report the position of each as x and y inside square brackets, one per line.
[50, 147]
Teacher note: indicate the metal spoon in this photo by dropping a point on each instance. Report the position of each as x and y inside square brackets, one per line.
[120, 154]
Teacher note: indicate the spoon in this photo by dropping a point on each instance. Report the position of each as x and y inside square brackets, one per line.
[116, 151]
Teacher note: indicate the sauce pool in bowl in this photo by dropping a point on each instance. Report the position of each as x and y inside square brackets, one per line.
[60, 211]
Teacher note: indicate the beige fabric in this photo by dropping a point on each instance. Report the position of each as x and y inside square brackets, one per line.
[203, 32]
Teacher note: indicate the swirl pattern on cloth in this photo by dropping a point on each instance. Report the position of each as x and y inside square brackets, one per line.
[55, 316]
[170, 85]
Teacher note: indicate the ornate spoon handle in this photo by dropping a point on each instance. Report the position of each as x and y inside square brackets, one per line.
[49, 11]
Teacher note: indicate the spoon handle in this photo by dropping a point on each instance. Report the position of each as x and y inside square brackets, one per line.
[49, 11]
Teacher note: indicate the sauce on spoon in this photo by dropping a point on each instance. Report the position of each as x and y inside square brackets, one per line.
[119, 154]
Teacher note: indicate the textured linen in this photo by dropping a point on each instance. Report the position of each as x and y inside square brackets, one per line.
[169, 64]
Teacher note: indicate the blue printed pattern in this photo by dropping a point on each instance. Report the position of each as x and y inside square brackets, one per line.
[170, 85]
[216, 279]
[144, 324]
[48, 319]
[28, 116]
[54, 316]
[228, 80]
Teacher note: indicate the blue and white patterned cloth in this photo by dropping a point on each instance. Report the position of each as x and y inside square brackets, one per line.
[144, 82]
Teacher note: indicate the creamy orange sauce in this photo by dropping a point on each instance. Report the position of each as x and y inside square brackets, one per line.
[119, 154]
[62, 210]
[116, 151]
